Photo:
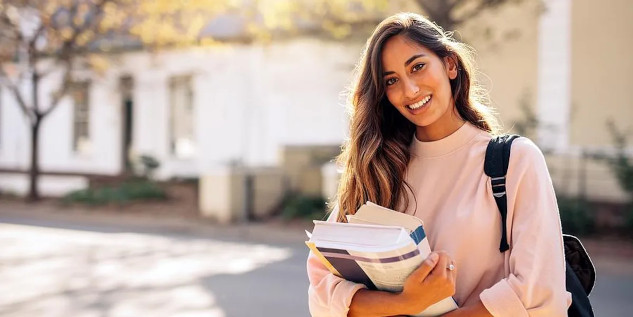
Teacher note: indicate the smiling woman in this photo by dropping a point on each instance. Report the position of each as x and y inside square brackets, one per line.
[419, 130]
[406, 60]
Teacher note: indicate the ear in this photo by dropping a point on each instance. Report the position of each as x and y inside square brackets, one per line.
[450, 63]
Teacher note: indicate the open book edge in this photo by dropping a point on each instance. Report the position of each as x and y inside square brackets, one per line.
[372, 238]
[371, 213]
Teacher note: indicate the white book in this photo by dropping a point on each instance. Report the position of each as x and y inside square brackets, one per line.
[378, 247]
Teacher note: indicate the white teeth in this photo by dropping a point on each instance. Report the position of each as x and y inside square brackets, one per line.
[420, 103]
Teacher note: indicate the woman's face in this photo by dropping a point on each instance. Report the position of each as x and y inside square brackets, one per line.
[417, 83]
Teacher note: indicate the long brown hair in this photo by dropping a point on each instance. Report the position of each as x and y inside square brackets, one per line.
[376, 155]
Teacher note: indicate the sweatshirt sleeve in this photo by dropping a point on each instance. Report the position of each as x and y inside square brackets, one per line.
[535, 285]
[328, 294]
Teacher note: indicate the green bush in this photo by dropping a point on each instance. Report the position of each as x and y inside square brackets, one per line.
[303, 207]
[575, 216]
[125, 192]
[622, 168]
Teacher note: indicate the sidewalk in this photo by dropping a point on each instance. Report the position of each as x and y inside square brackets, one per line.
[51, 215]
[85, 265]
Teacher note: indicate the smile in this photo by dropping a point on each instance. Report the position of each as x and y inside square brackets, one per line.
[420, 103]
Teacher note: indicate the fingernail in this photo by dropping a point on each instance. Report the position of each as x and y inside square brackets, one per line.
[434, 256]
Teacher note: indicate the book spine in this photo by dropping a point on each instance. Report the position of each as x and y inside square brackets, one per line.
[349, 269]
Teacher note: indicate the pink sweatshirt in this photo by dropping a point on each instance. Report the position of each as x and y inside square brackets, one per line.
[454, 199]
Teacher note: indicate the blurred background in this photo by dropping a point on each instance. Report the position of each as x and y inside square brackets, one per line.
[163, 158]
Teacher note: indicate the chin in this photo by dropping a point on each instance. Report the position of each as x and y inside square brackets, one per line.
[422, 123]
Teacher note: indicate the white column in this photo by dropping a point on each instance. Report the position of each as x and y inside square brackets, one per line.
[554, 75]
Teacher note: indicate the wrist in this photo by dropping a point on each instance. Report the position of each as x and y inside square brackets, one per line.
[409, 305]
[380, 303]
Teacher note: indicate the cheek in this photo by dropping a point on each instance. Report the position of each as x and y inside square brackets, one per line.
[392, 96]
[443, 84]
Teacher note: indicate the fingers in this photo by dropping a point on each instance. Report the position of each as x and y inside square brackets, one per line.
[425, 268]
[452, 274]
[443, 276]
[442, 264]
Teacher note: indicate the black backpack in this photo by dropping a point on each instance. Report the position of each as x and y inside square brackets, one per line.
[580, 274]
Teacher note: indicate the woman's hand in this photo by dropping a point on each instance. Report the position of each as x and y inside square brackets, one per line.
[429, 284]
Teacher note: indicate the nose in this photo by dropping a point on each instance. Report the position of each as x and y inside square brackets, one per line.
[411, 89]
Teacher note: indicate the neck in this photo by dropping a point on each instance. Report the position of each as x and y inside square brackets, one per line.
[439, 130]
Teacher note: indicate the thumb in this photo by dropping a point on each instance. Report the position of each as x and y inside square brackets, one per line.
[426, 267]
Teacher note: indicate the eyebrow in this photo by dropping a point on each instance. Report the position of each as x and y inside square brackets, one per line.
[411, 59]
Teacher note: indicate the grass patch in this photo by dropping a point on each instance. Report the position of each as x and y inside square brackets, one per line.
[297, 206]
[124, 192]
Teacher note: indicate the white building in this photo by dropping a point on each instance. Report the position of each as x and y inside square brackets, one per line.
[194, 110]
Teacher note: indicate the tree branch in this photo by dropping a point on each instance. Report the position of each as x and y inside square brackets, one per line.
[69, 47]
[427, 8]
[61, 92]
[14, 27]
[481, 6]
[18, 95]
[68, 52]
[439, 11]
[38, 33]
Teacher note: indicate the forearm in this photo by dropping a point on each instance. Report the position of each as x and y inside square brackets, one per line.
[476, 310]
[377, 303]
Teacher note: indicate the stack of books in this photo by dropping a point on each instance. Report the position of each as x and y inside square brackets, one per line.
[378, 247]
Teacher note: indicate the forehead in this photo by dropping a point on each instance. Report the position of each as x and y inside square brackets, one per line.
[398, 49]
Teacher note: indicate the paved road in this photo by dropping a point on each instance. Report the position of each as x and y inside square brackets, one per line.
[72, 265]
[69, 266]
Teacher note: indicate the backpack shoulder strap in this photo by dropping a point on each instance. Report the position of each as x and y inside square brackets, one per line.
[496, 167]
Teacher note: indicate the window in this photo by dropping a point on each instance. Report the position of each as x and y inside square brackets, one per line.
[182, 138]
[81, 117]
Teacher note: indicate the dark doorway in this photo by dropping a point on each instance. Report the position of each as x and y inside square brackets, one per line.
[127, 100]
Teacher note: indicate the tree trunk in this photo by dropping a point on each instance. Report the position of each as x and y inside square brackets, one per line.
[34, 194]
[439, 11]
[35, 169]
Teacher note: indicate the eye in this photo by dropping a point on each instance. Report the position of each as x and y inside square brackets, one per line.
[417, 67]
[391, 81]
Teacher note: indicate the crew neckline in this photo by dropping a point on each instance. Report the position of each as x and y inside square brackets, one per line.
[446, 145]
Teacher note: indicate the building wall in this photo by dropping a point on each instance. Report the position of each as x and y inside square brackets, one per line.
[14, 134]
[553, 66]
[577, 176]
[596, 75]
[249, 101]
[507, 58]
[601, 41]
